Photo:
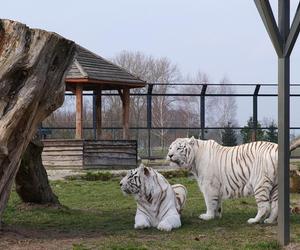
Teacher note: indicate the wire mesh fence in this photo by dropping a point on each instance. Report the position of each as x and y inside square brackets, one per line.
[231, 114]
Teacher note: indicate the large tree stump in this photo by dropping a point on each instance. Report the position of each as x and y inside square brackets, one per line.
[32, 67]
[32, 183]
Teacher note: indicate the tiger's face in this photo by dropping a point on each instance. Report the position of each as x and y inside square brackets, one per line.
[181, 152]
[132, 182]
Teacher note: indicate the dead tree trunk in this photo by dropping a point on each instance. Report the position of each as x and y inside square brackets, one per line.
[32, 183]
[32, 67]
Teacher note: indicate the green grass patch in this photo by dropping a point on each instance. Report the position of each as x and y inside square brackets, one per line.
[100, 209]
[169, 174]
[297, 163]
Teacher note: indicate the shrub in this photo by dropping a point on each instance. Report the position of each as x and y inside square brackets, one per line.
[175, 173]
[92, 176]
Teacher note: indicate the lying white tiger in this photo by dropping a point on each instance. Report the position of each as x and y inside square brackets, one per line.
[158, 203]
[229, 172]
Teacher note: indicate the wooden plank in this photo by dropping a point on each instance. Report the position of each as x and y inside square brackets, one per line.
[109, 148]
[109, 162]
[57, 153]
[59, 149]
[104, 150]
[62, 140]
[62, 158]
[63, 143]
[62, 163]
[119, 156]
[110, 142]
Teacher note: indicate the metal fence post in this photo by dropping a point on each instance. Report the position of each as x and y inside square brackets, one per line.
[255, 94]
[283, 128]
[202, 111]
[149, 116]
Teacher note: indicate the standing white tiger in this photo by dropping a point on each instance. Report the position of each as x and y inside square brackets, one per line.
[158, 203]
[230, 172]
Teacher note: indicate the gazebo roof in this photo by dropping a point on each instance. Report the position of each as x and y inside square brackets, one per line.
[93, 71]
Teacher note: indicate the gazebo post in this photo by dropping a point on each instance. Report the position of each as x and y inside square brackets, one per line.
[98, 94]
[125, 97]
[79, 113]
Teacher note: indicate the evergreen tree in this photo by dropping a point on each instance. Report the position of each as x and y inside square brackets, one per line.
[271, 133]
[229, 136]
[247, 131]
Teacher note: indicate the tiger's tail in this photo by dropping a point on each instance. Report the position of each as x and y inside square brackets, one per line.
[295, 144]
[181, 194]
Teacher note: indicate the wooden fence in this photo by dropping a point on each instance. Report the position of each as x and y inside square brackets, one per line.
[87, 154]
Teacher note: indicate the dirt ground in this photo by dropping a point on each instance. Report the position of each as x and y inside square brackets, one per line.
[30, 239]
[17, 238]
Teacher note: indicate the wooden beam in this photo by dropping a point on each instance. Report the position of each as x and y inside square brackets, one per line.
[79, 112]
[125, 97]
[266, 14]
[117, 84]
[293, 34]
[98, 94]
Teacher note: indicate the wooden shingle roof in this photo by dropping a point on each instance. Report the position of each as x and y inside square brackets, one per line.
[92, 70]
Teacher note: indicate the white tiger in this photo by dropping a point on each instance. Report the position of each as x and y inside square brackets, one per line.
[158, 203]
[230, 172]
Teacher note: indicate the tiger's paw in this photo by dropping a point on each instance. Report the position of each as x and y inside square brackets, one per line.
[206, 217]
[141, 226]
[163, 226]
[270, 221]
[252, 221]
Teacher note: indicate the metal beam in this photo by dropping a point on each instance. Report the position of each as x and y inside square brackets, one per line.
[149, 116]
[255, 94]
[202, 111]
[266, 14]
[283, 128]
[293, 34]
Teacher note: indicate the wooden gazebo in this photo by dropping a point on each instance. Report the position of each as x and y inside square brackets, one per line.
[90, 72]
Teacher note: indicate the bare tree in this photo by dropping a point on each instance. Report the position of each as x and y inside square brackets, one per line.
[151, 70]
[191, 104]
[219, 110]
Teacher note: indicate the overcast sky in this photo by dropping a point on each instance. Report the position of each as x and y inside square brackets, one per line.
[218, 37]
[214, 36]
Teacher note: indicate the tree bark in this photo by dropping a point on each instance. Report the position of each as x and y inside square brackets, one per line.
[32, 67]
[32, 183]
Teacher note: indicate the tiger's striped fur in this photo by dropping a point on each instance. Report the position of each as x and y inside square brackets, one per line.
[158, 203]
[230, 172]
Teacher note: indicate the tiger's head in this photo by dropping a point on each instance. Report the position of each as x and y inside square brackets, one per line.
[181, 152]
[136, 180]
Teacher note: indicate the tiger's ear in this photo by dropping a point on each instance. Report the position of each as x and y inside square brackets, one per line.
[146, 171]
[192, 140]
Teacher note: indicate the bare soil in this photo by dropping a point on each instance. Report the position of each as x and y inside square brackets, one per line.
[16, 237]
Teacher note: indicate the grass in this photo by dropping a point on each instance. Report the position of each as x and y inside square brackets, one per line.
[100, 216]
[297, 163]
